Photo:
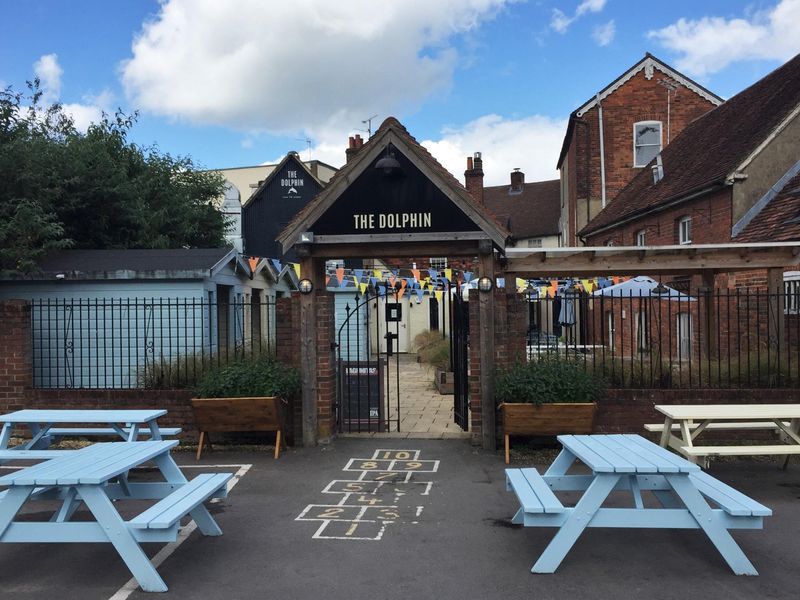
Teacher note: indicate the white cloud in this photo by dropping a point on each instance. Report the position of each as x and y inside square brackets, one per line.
[710, 44]
[604, 34]
[561, 22]
[49, 72]
[302, 65]
[530, 143]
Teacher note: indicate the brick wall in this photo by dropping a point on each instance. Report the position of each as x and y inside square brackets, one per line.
[15, 353]
[326, 366]
[639, 99]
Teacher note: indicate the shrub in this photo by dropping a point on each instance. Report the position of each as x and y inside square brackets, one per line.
[433, 349]
[258, 376]
[546, 380]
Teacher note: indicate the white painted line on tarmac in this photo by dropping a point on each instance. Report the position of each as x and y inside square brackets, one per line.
[184, 532]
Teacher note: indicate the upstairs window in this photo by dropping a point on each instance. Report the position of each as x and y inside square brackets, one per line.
[646, 142]
[685, 230]
[439, 263]
[640, 238]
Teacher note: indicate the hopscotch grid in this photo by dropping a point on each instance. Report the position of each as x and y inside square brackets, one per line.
[385, 450]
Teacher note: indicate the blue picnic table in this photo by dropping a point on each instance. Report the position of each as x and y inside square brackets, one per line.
[128, 425]
[632, 464]
[97, 476]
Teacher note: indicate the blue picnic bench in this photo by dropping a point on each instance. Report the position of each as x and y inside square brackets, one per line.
[97, 476]
[632, 464]
[128, 425]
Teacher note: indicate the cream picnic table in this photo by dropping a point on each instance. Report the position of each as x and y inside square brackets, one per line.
[683, 423]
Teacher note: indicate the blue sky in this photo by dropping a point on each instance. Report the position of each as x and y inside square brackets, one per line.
[241, 83]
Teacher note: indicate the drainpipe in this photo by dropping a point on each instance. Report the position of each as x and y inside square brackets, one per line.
[602, 155]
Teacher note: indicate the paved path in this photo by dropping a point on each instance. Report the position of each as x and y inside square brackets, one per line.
[459, 546]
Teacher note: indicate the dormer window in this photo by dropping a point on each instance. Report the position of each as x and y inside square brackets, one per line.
[646, 142]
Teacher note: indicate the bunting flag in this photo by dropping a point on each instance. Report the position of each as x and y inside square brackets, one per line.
[434, 274]
[327, 280]
[392, 279]
[376, 273]
[588, 285]
[521, 283]
[253, 262]
[340, 275]
[297, 269]
[277, 264]
[468, 276]
[403, 285]
[416, 273]
[448, 274]
[358, 274]
[438, 294]
[363, 288]
[420, 293]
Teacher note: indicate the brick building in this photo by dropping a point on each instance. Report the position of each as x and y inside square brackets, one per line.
[615, 134]
[719, 179]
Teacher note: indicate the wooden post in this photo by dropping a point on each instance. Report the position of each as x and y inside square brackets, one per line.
[777, 318]
[710, 313]
[308, 352]
[486, 311]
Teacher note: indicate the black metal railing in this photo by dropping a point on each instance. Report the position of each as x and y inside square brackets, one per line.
[143, 342]
[698, 338]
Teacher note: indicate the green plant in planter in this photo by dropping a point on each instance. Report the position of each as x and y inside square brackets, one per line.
[258, 376]
[547, 380]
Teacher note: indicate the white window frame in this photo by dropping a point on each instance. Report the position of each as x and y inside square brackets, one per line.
[685, 237]
[640, 237]
[642, 334]
[660, 140]
[438, 266]
[535, 243]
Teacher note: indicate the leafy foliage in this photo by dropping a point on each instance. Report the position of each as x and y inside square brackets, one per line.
[258, 376]
[433, 349]
[546, 380]
[63, 188]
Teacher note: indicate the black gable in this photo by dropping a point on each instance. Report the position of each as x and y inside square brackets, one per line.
[404, 201]
[279, 198]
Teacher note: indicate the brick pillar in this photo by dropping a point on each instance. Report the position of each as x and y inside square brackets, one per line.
[287, 349]
[326, 367]
[16, 369]
[475, 370]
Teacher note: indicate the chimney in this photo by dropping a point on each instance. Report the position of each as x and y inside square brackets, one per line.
[473, 177]
[517, 181]
[354, 144]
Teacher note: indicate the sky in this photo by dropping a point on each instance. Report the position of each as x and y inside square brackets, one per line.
[242, 82]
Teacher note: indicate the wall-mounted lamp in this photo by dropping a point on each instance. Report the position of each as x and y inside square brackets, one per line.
[485, 284]
[306, 286]
[388, 164]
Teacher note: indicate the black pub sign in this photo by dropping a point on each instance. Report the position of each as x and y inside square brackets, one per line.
[404, 201]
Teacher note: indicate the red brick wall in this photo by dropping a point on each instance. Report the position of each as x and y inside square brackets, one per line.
[326, 365]
[639, 99]
[15, 353]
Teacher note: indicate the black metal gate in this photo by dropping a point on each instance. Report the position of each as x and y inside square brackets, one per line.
[459, 356]
[368, 375]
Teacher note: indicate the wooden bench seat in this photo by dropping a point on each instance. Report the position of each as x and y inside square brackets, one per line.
[30, 454]
[107, 431]
[727, 498]
[659, 427]
[534, 495]
[754, 450]
[182, 501]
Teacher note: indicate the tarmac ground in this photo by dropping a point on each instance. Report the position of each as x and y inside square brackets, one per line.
[316, 524]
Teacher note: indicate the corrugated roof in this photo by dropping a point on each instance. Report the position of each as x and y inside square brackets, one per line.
[710, 148]
[533, 212]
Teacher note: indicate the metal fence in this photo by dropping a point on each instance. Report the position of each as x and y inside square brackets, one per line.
[138, 342]
[696, 339]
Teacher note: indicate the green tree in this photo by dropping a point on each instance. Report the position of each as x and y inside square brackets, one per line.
[63, 188]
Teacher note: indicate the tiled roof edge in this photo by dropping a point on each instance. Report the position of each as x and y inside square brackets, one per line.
[762, 203]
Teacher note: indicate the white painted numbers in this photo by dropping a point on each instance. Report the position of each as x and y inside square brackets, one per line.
[387, 490]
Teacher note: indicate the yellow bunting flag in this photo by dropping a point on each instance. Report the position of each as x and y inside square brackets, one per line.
[520, 283]
[377, 273]
[448, 274]
[297, 268]
[588, 285]
[363, 288]
[438, 294]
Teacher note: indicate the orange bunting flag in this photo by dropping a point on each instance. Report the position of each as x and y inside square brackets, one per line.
[403, 284]
[340, 274]
[416, 273]
[327, 279]
[253, 262]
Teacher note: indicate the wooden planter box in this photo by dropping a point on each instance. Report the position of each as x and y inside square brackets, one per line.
[259, 413]
[444, 382]
[547, 419]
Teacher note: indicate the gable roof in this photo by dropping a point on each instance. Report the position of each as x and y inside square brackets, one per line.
[776, 217]
[649, 64]
[392, 132]
[533, 212]
[711, 149]
[180, 263]
[291, 156]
